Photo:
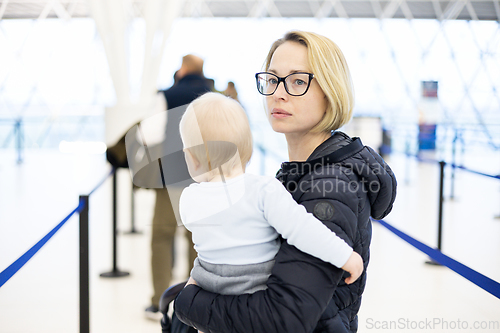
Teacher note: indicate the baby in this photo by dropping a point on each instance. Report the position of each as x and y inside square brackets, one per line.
[236, 218]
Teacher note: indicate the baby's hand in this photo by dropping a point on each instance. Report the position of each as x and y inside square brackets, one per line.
[354, 266]
[190, 281]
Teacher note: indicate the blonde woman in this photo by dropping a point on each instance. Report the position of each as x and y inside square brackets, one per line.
[309, 96]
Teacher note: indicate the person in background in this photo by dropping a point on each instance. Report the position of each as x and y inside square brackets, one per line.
[231, 91]
[189, 84]
[309, 96]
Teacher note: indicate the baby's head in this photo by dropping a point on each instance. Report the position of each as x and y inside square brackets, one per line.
[215, 133]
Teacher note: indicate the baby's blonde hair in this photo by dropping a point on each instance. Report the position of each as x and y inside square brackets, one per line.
[216, 131]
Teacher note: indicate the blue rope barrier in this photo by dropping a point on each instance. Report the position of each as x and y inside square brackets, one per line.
[113, 170]
[429, 160]
[19, 263]
[7, 273]
[482, 281]
[473, 171]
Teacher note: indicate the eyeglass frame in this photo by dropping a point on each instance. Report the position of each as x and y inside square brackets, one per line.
[282, 79]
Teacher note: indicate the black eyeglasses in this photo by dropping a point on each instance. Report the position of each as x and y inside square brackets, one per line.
[296, 84]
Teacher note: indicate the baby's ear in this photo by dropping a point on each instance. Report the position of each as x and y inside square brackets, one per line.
[191, 158]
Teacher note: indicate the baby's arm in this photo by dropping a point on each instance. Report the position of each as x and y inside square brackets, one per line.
[302, 230]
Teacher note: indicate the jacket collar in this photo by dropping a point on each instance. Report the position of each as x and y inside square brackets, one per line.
[333, 150]
[326, 152]
[191, 77]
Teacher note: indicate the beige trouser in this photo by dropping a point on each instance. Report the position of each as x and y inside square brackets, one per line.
[162, 241]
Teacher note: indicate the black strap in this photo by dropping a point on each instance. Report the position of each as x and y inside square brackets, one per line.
[296, 170]
[337, 156]
[340, 154]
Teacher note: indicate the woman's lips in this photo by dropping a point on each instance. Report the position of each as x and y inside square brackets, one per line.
[279, 113]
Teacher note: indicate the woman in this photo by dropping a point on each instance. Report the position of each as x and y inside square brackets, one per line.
[309, 96]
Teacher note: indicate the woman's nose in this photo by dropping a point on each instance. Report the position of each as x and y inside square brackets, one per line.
[280, 92]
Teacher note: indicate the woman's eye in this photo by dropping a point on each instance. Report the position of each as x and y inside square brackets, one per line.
[299, 82]
[272, 81]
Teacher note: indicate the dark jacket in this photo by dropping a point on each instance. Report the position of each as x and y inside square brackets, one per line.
[186, 90]
[178, 97]
[180, 94]
[304, 293]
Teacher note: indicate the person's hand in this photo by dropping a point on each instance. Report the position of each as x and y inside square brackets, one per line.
[190, 281]
[354, 266]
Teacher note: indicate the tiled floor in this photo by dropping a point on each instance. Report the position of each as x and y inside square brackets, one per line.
[403, 293]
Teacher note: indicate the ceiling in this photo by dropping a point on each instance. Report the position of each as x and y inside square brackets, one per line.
[409, 9]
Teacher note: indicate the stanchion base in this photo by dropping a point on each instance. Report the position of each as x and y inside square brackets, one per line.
[114, 274]
[433, 263]
[133, 232]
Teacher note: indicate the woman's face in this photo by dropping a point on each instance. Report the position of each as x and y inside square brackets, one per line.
[294, 114]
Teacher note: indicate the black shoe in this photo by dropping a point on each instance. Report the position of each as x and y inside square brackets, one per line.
[153, 313]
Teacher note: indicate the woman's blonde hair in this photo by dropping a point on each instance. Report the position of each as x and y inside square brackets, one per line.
[330, 69]
[216, 131]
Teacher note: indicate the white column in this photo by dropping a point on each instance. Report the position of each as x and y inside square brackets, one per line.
[113, 18]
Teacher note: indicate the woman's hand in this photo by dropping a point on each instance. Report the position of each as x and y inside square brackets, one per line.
[354, 266]
[192, 281]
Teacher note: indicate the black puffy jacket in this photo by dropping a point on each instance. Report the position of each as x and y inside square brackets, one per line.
[306, 294]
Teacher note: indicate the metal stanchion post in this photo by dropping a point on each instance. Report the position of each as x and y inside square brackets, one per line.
[19, 138]
[453, 164]
[115, 272]
[441, 201]
[440, 209]
[407, 171]
[84, 265]
[132, 231]
[497, 216]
